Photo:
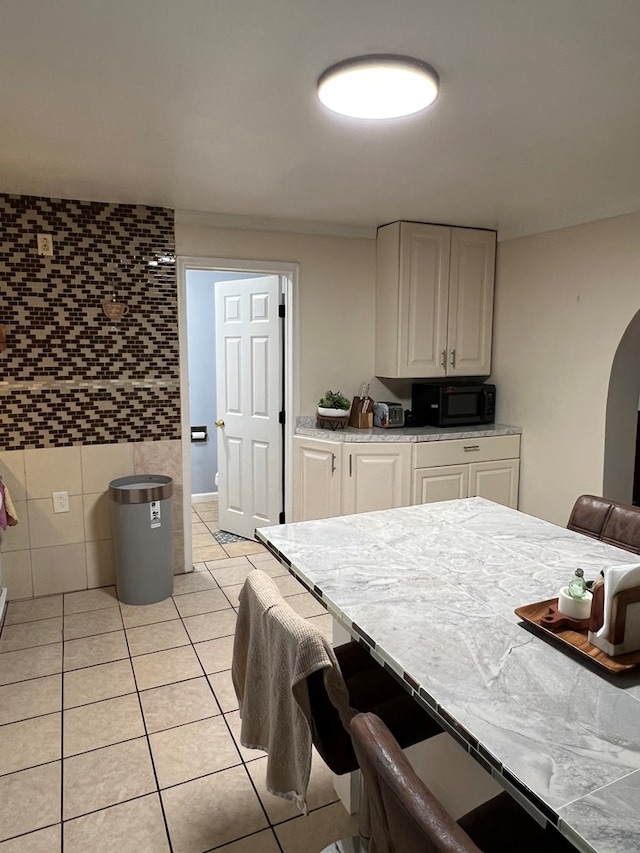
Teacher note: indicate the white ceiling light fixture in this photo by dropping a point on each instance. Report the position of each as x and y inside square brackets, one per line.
[378, 86]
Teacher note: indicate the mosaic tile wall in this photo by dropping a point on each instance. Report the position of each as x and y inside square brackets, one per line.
[69, 375]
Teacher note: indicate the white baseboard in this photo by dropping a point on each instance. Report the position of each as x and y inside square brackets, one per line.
[204, 498]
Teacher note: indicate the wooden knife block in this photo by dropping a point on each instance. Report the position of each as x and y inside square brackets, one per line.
[358, 418]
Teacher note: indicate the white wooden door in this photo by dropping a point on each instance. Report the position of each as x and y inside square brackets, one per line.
[497, 481]
[375, 476]
[444, 483]
[469, 334]
[249, 400]
[316, 477]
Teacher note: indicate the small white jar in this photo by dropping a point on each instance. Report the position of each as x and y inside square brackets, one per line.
[576, 608]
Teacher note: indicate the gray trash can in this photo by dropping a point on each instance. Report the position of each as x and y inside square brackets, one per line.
[142, 521]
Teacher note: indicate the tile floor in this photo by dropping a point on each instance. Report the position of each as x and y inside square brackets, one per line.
[119, 724]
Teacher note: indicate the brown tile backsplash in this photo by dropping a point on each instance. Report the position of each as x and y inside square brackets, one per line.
[69, 376]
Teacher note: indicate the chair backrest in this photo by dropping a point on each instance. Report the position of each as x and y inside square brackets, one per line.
[405, 816]
[608, 521]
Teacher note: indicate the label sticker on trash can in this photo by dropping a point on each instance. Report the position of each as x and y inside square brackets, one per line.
[154, 509]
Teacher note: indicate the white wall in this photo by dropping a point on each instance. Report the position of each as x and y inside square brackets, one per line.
[335, 299]
[563, 303]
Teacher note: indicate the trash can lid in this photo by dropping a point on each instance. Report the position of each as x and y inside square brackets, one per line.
[140, 489]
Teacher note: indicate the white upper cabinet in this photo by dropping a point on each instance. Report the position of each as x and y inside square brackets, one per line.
[434, 301]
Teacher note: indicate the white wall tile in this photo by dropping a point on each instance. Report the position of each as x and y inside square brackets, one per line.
[47, 528]
[100, 564]
[16, 538]
[59, 569]
[16, 574]
[102, 463]
[97, 516]
[13, 474]
[50, 470]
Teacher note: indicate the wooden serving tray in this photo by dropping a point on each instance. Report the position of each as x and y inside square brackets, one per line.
[576, 639]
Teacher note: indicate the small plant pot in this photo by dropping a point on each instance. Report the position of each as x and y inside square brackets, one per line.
[333, 413]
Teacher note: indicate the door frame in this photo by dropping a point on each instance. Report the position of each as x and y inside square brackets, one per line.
[289, 275]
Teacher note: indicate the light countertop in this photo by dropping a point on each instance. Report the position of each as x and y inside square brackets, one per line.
[307, 426]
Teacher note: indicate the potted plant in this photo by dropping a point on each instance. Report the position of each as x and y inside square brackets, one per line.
[334, 405]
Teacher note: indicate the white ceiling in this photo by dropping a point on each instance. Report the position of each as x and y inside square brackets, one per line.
[210, 105]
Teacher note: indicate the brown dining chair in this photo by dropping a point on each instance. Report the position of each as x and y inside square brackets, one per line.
[608, 521]
[405, 817]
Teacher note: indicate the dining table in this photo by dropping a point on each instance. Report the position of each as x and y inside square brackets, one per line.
[431, 590]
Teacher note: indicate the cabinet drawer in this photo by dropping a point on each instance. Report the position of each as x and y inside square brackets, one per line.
[427, 454]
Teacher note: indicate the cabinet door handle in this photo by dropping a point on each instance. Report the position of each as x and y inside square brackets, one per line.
[453, 358]
[443, 358]
[333, 463]
[350, 465]
[468, 447]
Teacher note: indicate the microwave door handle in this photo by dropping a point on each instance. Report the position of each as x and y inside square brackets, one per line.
[483, 402]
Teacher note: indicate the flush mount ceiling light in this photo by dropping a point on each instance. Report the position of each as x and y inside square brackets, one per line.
[378, 86]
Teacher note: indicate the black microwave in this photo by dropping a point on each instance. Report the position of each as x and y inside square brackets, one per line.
[446, 404]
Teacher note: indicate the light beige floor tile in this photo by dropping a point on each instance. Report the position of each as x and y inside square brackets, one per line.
[92, 622]
[30, 698]
[206, 514]
[193, 750]
[200, 567]
[30, 742]
[117, 773]
[319, 793]
[324, 624]
[176, 704]
[156, 637]
[234, 722]
[288, 585]
[209, 552]
[47, 840]
[210, 626]
[264, 557]
[231, 575]
[260, 842]
[90, 599]
[194, 603]
[306, 605]
[203, 540]
[222, 686]
[316, 831]
[82, 686]
[166, 667]
[242, 549]
[133, 827]
[211, 811]
[30, 663]
[198, 527]
[145, 614]
[89, 651]
[227, 562]
[101, 724]
[20, 791]
[215, 655]
[27, 635]
[232, 593]
[193, 582]
[36, 608]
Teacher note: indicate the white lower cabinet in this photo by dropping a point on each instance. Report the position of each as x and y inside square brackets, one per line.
[340, 478]
[462, 468]
[375, 476]
[316, 478]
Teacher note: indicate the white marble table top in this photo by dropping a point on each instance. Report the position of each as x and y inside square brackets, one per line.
[308, 426]
[432, 588]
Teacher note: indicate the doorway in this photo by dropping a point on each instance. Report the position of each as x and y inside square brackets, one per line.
[209, 276]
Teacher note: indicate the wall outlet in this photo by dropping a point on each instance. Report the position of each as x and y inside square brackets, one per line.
[45, 244]
[60, 501]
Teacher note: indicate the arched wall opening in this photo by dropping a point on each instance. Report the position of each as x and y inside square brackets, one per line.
[622, 417]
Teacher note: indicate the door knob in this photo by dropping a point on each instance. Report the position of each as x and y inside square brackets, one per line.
[220, 423]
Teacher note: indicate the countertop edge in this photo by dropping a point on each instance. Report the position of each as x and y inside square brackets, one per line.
[305, 426]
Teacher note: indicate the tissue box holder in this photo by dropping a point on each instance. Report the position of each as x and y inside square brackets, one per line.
[624, 635]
